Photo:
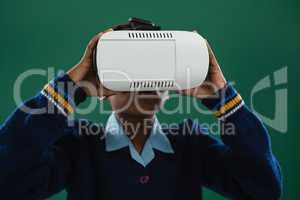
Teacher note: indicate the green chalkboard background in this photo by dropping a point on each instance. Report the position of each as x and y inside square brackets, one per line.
[251, 39]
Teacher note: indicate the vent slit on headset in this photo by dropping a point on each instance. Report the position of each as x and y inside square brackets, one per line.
[151, 35]
[152, 84]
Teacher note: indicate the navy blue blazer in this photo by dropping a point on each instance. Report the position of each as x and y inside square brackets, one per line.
[41, 154]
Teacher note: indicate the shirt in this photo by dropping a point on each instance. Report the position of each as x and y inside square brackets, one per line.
[116, 139]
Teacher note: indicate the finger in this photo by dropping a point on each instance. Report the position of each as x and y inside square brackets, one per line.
[93, 42]
[108, 30]
[212, 58]
[209, 49]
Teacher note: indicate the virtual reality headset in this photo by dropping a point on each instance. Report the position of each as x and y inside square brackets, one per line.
[138, 56]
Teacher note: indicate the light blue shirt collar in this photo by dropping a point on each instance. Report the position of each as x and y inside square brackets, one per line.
[116, 139]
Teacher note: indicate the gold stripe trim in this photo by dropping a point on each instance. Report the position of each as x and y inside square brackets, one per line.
[57, 97]
[229, 105]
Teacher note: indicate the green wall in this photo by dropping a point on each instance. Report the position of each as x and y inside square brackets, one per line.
[251, 39]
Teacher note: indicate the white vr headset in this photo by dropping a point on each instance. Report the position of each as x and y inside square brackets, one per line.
[130, 60]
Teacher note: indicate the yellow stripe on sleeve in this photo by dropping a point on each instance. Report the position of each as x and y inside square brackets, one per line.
[57, 97]
[229, 105]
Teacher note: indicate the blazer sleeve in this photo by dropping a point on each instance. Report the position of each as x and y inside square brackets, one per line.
[38, 142]
[242, 165]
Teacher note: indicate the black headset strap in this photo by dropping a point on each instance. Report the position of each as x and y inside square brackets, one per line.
[137, 24]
